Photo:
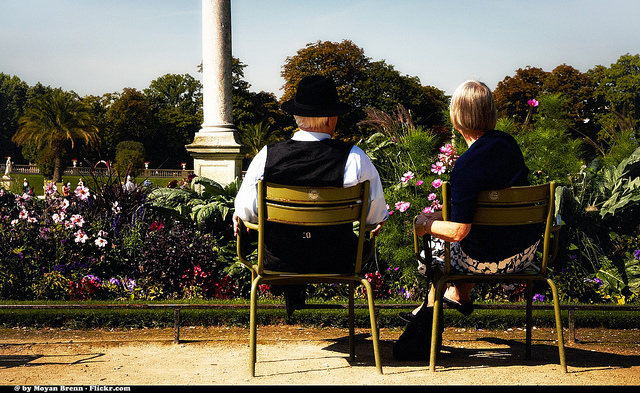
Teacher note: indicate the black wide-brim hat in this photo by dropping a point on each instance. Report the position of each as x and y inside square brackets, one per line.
[316, 97]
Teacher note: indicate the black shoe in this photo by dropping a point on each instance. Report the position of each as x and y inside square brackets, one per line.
[406, 316]
[294, 298]
[464, 308]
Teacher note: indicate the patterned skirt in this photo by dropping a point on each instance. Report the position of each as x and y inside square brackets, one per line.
[462, 263]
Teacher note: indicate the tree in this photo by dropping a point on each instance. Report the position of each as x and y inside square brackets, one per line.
[54, 119]
[363, 83]
[176, 104]
[256, 136]
[384, 88]
[617, 89]
[13, 98]
[128, 117]
[344, 62]
[251, 108]
[129, 157]
[513, 93]
[578, 91]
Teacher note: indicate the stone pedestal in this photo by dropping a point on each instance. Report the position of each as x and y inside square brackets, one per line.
[7, 182]
[215, 150]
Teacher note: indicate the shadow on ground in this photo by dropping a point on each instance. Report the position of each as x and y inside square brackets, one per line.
[487, 352]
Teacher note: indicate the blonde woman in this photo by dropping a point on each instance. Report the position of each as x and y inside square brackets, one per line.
[492, 161]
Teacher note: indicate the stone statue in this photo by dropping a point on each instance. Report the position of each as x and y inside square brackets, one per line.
[7, 170]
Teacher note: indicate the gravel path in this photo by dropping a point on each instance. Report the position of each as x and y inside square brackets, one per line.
[298, 355]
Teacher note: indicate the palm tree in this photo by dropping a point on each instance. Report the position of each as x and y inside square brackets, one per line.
[256, 136]
[53, 119]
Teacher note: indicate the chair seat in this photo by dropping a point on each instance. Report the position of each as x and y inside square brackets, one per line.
[311, 278]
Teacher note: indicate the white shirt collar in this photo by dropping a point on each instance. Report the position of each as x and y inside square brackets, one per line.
[309, 136]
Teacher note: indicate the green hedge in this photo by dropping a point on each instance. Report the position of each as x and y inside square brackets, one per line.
[387, 318]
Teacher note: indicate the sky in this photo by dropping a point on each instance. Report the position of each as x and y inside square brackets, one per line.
[102, 46]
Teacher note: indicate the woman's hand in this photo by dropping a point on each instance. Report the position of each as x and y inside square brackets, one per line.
[424, 222]
[432, 224]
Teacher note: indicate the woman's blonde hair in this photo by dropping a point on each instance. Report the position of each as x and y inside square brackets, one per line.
[473, 108]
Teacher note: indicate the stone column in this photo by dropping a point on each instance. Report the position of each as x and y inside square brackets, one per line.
[216, 152]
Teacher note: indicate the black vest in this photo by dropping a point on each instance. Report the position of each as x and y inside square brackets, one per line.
[298, 249]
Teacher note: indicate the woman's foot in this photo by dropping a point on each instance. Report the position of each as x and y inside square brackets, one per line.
[457, 297]
[464, 308]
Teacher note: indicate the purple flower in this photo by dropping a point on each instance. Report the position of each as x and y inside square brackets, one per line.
[538, 297]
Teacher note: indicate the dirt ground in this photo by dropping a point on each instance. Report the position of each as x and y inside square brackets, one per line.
[296, 355]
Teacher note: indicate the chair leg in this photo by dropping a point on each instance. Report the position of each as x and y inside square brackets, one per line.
[253, 326]
[435, 327]
[529, 315]
[556, 309]
[352, 344]
[375, 336]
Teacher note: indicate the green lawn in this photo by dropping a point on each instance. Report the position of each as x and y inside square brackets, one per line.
[37, 182]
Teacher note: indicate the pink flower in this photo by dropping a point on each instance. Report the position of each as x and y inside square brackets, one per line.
[419, 183]
[447, 149]
[407, 176]
[437, 183]
[432, 196]
[427, 209]
[533, 102]
[402, 206]
[438, 168]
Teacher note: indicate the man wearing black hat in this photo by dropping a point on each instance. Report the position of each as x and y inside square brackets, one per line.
[311, 158]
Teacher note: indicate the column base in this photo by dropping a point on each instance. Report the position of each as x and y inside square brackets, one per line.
[216, 155]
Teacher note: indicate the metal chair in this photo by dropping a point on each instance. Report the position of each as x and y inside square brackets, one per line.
[511, 206]
[310, 206]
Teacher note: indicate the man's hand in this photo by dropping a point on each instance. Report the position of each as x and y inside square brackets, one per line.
[376, 231]
[236, 224]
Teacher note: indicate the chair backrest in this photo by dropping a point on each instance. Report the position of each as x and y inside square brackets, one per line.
[514, 206]
[313, 206]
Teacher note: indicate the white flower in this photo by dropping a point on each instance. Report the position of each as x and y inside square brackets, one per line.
[77, 220]
[100, 242]
[81, 237]
[82, 192]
